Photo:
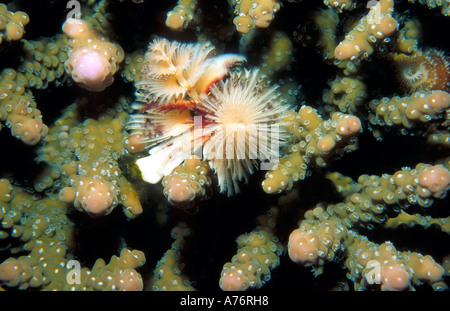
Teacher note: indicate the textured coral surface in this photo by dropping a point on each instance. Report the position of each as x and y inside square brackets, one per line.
[224, 145]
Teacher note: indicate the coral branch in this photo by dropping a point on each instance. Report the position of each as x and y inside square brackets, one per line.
[407, 112]
[312, 81]
[12, 24]
[318, 141]
[181, 15]
[258, 254]
[187, 183]
[93, 60]
[84, 159]
[377, 25]
[254, 13]
[168, 274]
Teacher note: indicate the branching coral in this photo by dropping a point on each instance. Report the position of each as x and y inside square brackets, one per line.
[407, 111]
[19, 111]
[83, 157]
[334, 114]
[327, 233]
[316, 141]
[168, 272]
[46, 232]
[181, 15]
[93, 60]
[254, 13]
[444, 5]
[187, 183]
[12, 24]
[279, 55]
[41, 67]
[258, 253]
[378, 24]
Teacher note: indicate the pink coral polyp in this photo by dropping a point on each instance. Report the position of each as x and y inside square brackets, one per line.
[91, 70]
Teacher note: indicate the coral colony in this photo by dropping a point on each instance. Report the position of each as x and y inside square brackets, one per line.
[140, 150]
